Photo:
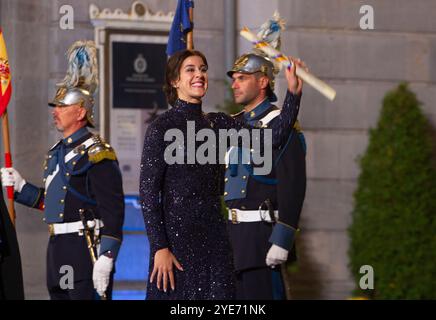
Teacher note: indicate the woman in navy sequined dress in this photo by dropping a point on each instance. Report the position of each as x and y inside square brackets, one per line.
[190, 256]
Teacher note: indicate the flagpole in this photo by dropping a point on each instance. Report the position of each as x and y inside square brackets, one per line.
[4, 100]
[8, 164]
[190, 34]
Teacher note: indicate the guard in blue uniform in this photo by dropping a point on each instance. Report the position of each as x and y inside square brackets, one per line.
[263, 210]
[82, 197]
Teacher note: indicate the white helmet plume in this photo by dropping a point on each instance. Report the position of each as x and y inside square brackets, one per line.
[82, 67]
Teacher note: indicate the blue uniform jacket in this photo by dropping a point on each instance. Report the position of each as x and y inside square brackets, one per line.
[73, 182]
[285, 188]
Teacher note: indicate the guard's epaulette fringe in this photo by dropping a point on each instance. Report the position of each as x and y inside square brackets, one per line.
[101, 151]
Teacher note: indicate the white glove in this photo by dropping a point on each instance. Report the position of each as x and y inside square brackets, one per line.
[276, 255]
[101, 273]
[11, 177]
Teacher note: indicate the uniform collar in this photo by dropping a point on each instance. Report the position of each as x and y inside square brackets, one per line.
[258, 110]
[75, 136]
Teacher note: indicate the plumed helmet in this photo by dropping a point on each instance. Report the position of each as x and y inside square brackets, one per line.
[257, 61]
[81, 80]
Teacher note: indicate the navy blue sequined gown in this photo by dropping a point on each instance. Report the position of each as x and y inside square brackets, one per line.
[182, 208]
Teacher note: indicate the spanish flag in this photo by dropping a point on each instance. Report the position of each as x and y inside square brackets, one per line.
[5, 76]
[11, 276]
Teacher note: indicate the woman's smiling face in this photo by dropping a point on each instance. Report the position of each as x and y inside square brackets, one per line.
[193, 82]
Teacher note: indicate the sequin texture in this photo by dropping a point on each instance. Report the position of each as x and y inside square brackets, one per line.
[182, 208]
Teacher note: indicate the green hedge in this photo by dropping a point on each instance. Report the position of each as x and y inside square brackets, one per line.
[394, 225]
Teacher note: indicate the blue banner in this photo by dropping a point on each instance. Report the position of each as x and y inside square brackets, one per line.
[180, 27]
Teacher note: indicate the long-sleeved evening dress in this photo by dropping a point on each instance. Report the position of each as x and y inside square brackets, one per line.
[182, 207]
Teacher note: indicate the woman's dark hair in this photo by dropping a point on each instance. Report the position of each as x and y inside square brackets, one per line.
[172, 72]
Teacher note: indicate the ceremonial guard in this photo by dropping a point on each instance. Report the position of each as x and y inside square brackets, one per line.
[263, 210]
[82, 199]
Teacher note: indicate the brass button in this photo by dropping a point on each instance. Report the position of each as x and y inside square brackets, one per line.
[227, 166]
[244, 177]
[74, 163]
[234, 216]
[45, 193]
[62, 200]
[51, 229]
[45, 168]
[43, 206]
[50, 156]
[61, 215]
[226, 179]
[242, 191]
[43, 219]
[82, 152]
[252, 114]
[44, 180]
[226, 193]
[64, 187]
[69, 140]
[67, 174]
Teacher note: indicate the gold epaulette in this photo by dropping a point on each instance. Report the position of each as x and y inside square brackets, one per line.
[100, 151]
[297, 126]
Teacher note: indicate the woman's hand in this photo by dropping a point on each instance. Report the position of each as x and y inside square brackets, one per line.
[295, 84]
[163, 267]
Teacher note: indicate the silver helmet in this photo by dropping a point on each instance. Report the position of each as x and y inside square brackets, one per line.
[251, 63]
[81, 81]
[75, 96]
[257, 61]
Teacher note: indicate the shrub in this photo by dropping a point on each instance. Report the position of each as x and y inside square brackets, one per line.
[393, 228]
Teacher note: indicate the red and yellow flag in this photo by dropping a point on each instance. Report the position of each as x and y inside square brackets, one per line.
[5, 76]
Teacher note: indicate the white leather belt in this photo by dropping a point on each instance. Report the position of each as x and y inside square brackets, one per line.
[73, 227]
[270, 116]
[236, 215]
